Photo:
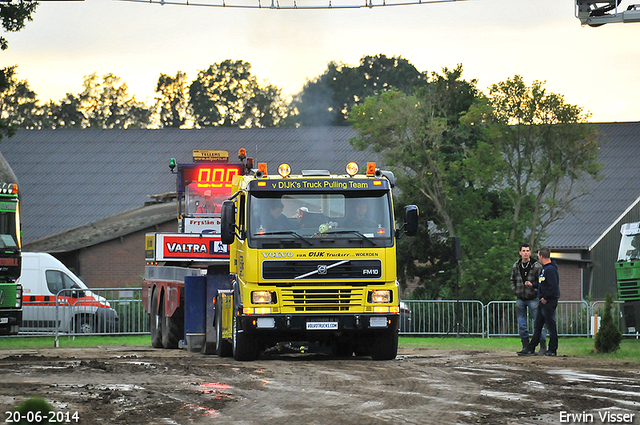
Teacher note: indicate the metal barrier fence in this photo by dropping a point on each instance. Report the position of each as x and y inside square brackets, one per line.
[597, 309]
[108, 311]
[98, 311]
[443, 317]
[572, 318]
[498, 318]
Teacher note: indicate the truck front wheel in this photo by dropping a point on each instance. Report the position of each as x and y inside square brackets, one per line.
[244, 347]
[385, 346]
[155, 322]
[85, 325]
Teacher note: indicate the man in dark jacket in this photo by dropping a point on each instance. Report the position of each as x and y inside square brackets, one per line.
[548, 293]
[524, 280]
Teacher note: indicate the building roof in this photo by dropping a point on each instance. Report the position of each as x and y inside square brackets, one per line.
[106, 229]
[87, 185]
[74, 177]
[595, 214]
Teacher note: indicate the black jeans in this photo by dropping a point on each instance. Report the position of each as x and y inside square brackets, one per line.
[546, 315]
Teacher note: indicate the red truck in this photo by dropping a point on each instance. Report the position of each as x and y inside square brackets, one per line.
[195, 250]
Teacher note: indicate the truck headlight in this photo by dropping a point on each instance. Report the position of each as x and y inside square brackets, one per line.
[261, 297]
[380, 296]
[18, 296]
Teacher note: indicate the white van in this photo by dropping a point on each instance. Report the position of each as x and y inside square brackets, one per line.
[53, 297]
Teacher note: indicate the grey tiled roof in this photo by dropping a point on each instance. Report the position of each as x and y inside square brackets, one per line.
[71, 178]
[106, 229]
[611, 197]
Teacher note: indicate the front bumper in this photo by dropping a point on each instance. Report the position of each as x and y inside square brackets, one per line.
[13, 319]
[320, 325]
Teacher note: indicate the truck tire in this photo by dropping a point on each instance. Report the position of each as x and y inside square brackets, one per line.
[244, 347]
[155, 326]
[85, 324]
[385, 346]
[172, 330]
[223, 348]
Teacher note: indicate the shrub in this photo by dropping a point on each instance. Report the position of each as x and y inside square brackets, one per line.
[39, 409]
[609, 336]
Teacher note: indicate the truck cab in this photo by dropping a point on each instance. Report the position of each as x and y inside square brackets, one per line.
[312, 258]
[10, 260]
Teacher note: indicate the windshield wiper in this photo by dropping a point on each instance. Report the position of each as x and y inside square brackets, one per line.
[355, 232]
[283, 232]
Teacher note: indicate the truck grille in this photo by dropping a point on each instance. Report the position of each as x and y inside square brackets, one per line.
[321, 269]
[313, 300]
[629, 290]
[8, 295]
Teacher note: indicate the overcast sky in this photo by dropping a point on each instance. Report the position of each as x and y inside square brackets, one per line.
[596, 68]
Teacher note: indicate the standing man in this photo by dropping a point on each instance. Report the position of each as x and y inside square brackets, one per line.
[208, 206]
[548, 292]
[524, 280]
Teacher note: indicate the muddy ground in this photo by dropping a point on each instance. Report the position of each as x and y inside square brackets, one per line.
[124, 385]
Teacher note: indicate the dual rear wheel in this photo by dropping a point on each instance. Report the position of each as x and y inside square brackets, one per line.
[165, 331]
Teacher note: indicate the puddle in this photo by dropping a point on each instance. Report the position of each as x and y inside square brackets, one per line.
[213, 389]
[504, 396]
[535, 385]
[119, 387]
[216, 385]
[617, 392]
[145, 364]
[634, 404]
[575, 376]
[204, 410]
[60, 365]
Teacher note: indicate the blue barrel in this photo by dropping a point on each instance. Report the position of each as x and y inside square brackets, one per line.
[195, 296]
[217, 278]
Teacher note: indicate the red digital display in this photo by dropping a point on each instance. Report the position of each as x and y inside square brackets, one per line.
[215, 177]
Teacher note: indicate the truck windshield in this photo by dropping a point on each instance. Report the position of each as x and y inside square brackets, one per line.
[321, 215]
[204, 201]
[8, 233]
[629, 248]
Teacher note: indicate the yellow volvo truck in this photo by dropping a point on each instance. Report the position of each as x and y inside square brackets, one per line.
[312, 258]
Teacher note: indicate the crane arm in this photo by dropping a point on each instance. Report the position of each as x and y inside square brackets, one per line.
[599, 12]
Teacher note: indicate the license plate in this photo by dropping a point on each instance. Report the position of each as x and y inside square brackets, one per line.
[4, 320]
[322, 326]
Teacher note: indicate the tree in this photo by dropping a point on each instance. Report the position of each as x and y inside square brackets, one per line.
[422, 139]
[14, 17]
[418, 135]
[329, 98]
[17, 103]
[538, 150]
[173, 104]
[228, 95]
[65, 114]
[609, 336]
[106, 104]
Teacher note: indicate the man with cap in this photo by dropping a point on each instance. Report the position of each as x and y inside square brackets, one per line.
[208, 206]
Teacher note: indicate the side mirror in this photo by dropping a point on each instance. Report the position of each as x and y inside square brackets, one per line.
[228, 222]
[411, 215]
